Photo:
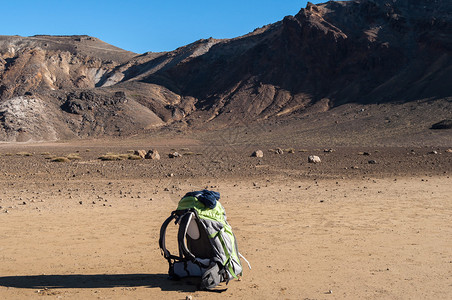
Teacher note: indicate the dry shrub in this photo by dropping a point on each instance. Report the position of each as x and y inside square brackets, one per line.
[60, 159]
[73, 156]
[115, 156]
[24, 154]
[134, 157]
[110, 157]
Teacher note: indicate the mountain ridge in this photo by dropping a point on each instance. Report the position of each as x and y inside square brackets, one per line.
[329, 54]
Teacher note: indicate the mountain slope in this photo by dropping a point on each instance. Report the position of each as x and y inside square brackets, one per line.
[361, 51]
[356, 51]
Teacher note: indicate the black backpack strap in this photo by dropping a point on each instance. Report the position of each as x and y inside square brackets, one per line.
[162, 244]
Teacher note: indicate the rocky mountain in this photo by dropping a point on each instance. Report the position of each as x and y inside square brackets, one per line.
[361, 51]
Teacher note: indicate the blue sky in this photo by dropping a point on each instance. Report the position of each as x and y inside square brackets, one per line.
[141, 25]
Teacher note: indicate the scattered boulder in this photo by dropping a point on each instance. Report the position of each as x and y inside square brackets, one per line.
[258, 153]
[444, 124]
[140, 153]
[279, 151]
[174, 155]
[152, 154]
[313, 159]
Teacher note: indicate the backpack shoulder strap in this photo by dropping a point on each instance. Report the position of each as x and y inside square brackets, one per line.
[162, 244]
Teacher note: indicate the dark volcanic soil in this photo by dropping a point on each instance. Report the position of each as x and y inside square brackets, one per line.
[209, 161]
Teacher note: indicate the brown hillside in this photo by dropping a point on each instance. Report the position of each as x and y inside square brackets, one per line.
[327, 55]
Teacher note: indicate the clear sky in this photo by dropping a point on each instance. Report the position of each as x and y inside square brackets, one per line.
[143, 25]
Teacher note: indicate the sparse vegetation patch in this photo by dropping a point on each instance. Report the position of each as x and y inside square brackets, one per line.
[60, 159]
[24, 154]
[116, 156]
[73, 156]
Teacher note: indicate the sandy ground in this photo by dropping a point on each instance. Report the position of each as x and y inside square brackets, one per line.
[89, 229]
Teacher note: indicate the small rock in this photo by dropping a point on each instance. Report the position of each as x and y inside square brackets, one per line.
[433, 152]
[313, 159]
[328, 150]
[444, 124]
[140, 153]
[449, 150]
[189, 298]
[372, 162]
[258, 153]
[80, 202]
[152, 154]
[279, 151]
[174, 155]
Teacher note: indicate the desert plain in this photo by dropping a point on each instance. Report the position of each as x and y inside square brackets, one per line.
[363, 85]
[370, 221]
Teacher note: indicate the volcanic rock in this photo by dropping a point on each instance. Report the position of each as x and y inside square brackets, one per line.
[444, 124]
[152, 154]
[174, 155]
[140, 153]
[314, 159]
[258, 153]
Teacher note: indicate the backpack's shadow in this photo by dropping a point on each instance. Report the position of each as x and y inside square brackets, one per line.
[78, 281]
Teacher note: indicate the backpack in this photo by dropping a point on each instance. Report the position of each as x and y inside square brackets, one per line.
[207, 245]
